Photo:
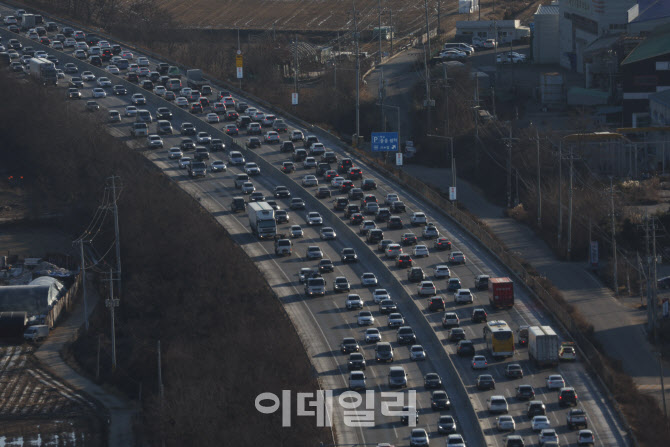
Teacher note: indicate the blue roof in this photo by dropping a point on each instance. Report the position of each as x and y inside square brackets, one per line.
[652, 10]
[662, 97]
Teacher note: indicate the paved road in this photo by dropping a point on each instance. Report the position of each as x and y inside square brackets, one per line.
[322, 322]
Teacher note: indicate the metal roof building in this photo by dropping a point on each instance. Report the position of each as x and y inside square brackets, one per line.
[545, 36]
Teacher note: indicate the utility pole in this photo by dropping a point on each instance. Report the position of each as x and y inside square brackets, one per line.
[509, 140]
[112, 303]
[425, 59]
[160, 374]
[239, 51]
[358, 79]
[379, 2]
[83, 281]
[539, 184]
[650, 298]
[392, 30]
[660, 367]
[118, 236]
[560, 191]
[615, 273]
[446, 97]
[571, 158]
[439, 10]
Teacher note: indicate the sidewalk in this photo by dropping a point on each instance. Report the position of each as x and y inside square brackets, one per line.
[121, 412]
[617, 323]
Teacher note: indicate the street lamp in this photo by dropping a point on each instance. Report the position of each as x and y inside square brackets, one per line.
[453, 167]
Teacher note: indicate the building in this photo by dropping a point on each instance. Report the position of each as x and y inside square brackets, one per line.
[645, 71]
[35, 298]
[545, 35]
[583, 21]
[507, 30]
[647, 15]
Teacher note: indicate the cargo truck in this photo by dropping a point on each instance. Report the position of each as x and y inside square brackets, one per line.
[262, 220]
[194, 79]
[27, 21]
[501, 292]
[543, 346]
[44, 71]
[36, 333]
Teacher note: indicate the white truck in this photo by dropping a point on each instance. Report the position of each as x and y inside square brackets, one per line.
[262, 220]
[543, 346]
[43, 70]
[194, 79]
[36, 333]
[28, 21]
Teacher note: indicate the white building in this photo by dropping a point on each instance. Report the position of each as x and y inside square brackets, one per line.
[545, 35]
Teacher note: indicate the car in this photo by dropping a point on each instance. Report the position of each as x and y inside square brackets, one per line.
[119, 90]
[382, 215]
[323, 192]
[366, 226]
[297, 135]
[415, 274]
[314, 218]
[576, 418]
[137, 99]
[379, 295]
[248, 187]
[196, 107]
[181, 101]
[479, 362]
[327, 234]
[453, 284]
[465, 348]
[281, 192]
[442, 243]
[161, 91]
[525, 392]
[372, 335]
[365, 318]
[281, 216]
[288, 167]
[436, 304]
[404, 261]
[218, 166]
[368, 279]
[486, 382]
[305, 273]
[418, 437]
[408, 239]
[479, 315]
[455, 440]
[456, 334]
[585, 437]
[421, 251]
[356, 362]
[405, 335]
[142, 61]
[114, 116]
[463, 296]
[497, 404]
[387, 306]
[417, 353]
[368, 184]
[567, 396]
[566, 352]
[154, 141]
[539, 423]
[252, 168]
[384, 353]
[104, 82]
[337, 181]
[441, 271]
[432, 380]
[555, 382]
[418, 219]
[394, 222]
[426, 288]
[92, 106]
[184, 162]
[374, 235]
[297, 204]
[348, 255]
[203, 138]
[513, 371]
[395, 320]
[256, 196]
[88, 76]
[457, 257]
[326, 266]
[296, 231]
[314, 252]
[548, 435]
[341, 284]
[356, 219]
[309, 163]
[430, 231]
[310, 180]
[349, 345]
[450, 319]
[98, 92]
[446, 424]
[271, 137]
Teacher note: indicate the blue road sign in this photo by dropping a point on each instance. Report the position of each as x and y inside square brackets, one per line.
[385, 142]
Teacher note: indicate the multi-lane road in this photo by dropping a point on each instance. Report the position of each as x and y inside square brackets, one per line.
[324, 321]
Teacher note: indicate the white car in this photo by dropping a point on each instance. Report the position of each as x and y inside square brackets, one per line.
[181, 101]
[218, 166]
[457, 257]
[81, 46]
[131, 111]
[479, 362]
[390, 198]
[70, 42]
[252, 169]
[416, 352]
[327, 234]
[393, 250]
[314, 218]
[138, 99]
[365, 318]
[426, 288]
[418, 219]
[430, 231]
[310, 180]
[297, 135]
[154, 141]
[133, 68]
[505, 423]
[142, 61]
[296, 231]
[104, 44]
[463, 296]
[555, 382]
[88, 76]
[548, 435]
[309, 163]
[585, 437]
[337, 181]
[373, 335]
[421, 251]
[175, 152]
[127, 55]
[160, 90]
[204, 138]
[185, 91]
[395, 320]
[539, 423]
[228, 101]
[368, 279]
[379, 295]
[98, 93]
[184, 162]
[441, 271]
[455, 440]
[11, 20]
[57, 45]
[418, 437]
[112, 69]
[80, 54]
[248, 188]
[314, 252]
[271, 137]
[213, 118]
[104, 82]
[354, 301]
[497, 404]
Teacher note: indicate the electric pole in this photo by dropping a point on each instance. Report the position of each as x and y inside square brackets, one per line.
[560, 191]
[509, 140]
[425, 58]
[571, 158]
[161, 389]
[112, 303]
[379, 2]
[650, 298]
[118, 236]
[653, 278]
[83, 281]
[539, 184]
[392, 30]
[358, 79]
[616, 278]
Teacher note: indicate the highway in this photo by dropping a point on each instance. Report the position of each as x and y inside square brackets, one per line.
[323, 322]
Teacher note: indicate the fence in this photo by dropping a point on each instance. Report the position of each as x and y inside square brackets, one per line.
[65, 303]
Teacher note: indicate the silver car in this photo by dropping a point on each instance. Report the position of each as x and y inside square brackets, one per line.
[368, 279]
[314, 218]
[310, 180]
[296, 231]
[218, 166]
[314, 252]
[248, 187]
[184, 162]
[175, 152]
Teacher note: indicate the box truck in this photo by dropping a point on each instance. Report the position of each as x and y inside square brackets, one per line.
[501, 292]
[36, 333]
[43, 71]
[262, 220]
[543, 346]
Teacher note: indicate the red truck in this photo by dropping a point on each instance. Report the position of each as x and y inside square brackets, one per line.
[501, 292]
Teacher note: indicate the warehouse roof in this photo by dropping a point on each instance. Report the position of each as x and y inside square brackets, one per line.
[657, 44]
[547, 10]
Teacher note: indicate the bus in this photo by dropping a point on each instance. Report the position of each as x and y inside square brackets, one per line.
[499, 338]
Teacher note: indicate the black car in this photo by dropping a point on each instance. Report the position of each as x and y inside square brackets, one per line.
[486, 382]
[348, 255]
[281, 216]
[253, 142]
[479, 316]
[340, 203]
[374, 235]
[416, 274]
[406, 335]
[465, 348]
[368, 184]
[356, 361]
[383, 214]
[78, 83]
[187, 144]
[321, 168]
[323, 192]
[432, 380]
[286, 146]
[525, 392]
[345, 165]
[162, 67]
[154, 76]
[116, 49]
[216, 145]
[567, 396]
[387, 306]
[352, 209]
[456, 334]
[120, 90]
[398, 207]
[436, 303]
[133, 77]
[394, 223]
[408, 239]
[440, 400]
[163, 113]
[326, 265]
[349, 344]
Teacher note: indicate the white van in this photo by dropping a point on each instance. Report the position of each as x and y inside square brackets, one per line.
[36, 333]
[173, 84]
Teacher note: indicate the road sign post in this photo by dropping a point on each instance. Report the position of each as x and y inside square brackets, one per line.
[294, 99]
[385, 142]
[452, 193]
[238, 64]
[398, 158]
